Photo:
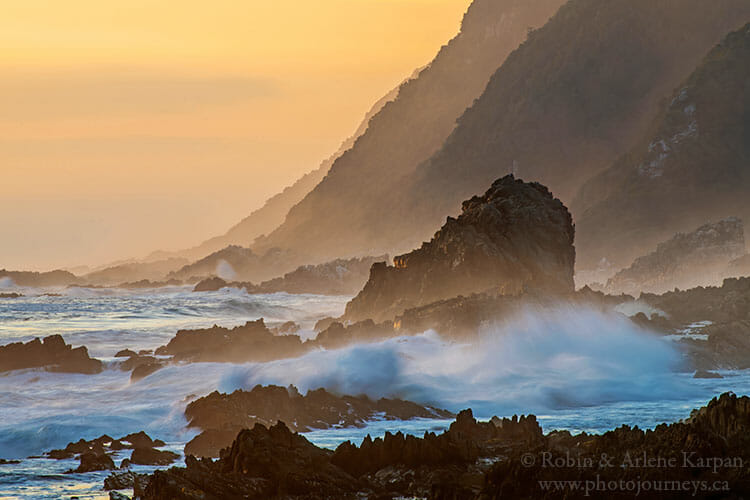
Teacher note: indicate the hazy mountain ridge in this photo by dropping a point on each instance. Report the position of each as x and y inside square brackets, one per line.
[691, 167]
[405, 132]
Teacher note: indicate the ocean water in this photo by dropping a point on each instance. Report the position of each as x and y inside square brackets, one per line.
[580, 370]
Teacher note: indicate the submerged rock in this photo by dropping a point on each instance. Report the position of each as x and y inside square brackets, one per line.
[515, 238]
[51, 353]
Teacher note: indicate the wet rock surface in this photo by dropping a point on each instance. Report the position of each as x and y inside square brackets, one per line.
[221, 416]
[250, 342]
[51, 353]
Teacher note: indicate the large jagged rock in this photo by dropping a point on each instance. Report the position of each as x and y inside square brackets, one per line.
[221, 416]
[250, 342]
[51, 353]
[685, 261]
[515, 238]
[262, 464]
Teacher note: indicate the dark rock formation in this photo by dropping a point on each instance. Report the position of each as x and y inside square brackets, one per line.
[141, 440]
[251, 342]
[52, 353]
[504, 458]
[152, 456]
[211, 284]
[223, 415]
[142, 365]
[722, 314]
[126, 480]
[263, 464]
[515, 238]
[10, 295]
[688, 168]
[91, 462]
[337, 335]
[126, 353]
[684, 261]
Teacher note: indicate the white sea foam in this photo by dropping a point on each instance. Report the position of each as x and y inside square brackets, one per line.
[540, 361]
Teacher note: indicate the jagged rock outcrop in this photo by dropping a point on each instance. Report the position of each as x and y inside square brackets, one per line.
[52, 353]
[685, 261]
[515, 238]
[714, 323]
[503, 458]
[222, 416]
[251, 342]
[688, 168]
[338, 277]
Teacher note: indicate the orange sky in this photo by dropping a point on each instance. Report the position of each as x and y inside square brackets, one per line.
[133, 125]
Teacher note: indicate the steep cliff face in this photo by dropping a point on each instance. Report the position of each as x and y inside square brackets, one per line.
[335, 219]
[514, 238]
[691, 167]
[685, 261]
[567, 103]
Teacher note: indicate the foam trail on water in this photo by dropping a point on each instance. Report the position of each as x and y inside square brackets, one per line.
[538, 361]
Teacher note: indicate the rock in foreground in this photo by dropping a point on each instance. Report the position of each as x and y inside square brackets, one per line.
[503, 458]
[516, 237]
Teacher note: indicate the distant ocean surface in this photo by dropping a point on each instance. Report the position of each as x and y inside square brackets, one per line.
[575, 369]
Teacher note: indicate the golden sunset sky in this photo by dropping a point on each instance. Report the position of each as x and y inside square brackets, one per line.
[131, 125]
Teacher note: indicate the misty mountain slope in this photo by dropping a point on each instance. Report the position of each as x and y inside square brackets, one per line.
[271, 214]
[333, 219]
[574, 97]
[692, 167]
[235, 263]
